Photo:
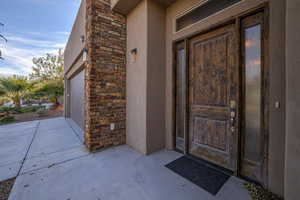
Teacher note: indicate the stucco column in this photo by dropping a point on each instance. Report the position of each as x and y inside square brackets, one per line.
[292, 162]
[145, 86]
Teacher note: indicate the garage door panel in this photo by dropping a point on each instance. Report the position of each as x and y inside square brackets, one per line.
[77, 99]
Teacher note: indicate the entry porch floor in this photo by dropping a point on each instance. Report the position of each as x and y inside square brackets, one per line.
[51, 163]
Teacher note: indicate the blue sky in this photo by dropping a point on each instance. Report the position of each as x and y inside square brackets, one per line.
[33, 28]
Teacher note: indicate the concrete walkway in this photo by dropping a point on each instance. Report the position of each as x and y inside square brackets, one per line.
[28, 146]
[52, 164]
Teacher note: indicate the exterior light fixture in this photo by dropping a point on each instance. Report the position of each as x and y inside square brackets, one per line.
[133, 54]
[82, 39]
[85, 54]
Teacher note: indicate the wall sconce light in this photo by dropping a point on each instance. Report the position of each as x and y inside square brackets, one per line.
[133, 54]
[85, 55]
[82, 39]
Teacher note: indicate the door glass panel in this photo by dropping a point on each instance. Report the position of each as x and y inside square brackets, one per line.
[181, 99]
[253, 81]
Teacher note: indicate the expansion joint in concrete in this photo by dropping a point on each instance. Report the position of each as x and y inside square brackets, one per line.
[28, 149]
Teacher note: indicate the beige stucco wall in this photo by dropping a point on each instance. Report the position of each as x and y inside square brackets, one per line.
[75, 46]
[136, 79]
[124, 6]
[292, 170]
[73, 64]
[277, 93]
[146, 77]
[276, 137]
[155, 77]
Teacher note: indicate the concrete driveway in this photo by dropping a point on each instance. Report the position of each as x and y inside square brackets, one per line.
[33, 145]
[52, 164]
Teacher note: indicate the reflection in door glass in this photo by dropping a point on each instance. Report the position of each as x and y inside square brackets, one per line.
[181, 99]
[253, 93]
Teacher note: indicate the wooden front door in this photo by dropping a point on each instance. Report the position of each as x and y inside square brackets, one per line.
[214, 96]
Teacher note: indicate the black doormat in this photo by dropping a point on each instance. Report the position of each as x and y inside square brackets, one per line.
[199, 173]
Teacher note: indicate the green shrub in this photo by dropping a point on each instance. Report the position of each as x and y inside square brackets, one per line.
[6, 109]
[31, 109]
[26, 109]
[16, 111]
[7, 120]
[12, 110]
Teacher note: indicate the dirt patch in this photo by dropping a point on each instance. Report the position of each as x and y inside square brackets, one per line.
[25, 117]
[5, 188]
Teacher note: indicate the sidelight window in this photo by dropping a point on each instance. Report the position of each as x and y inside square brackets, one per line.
[253, 82]
[180, 96]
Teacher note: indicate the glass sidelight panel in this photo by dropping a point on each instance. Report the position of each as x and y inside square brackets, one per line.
[253, 83]
[180, 97]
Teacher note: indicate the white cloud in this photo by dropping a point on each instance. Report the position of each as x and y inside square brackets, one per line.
[33, 33]
[9, 71]
[20, 51]
[65, 33]
[34, 42]
[56, 34]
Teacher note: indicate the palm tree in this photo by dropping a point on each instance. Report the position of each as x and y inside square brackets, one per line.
[14, 88]
[52, 89]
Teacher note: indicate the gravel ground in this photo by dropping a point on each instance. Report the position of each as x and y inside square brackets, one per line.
[25, 117]
[5, 188]
[259, 193]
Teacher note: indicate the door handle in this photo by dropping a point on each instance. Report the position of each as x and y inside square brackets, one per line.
[232, 115]
[232, 118]
[232, 121]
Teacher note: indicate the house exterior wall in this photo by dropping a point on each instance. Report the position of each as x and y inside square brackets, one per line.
[105, 77]
[276, 57]
[277, 93]
[136, 85]
[73, 63]
[145, 77]
[292, 169]
[75, 46]
[145, 118]
[155, 77]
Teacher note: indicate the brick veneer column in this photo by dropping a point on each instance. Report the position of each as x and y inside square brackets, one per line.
[105, 76]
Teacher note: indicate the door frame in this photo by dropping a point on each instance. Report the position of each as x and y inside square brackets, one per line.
[236, 20]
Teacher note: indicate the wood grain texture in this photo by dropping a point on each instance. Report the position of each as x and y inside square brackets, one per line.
[213, 83]
[210, 71]
[232, 158]
[209, 132]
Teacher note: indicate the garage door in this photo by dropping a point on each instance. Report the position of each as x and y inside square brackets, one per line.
[77, 99]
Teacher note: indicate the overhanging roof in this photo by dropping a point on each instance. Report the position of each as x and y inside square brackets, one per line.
[125, 6]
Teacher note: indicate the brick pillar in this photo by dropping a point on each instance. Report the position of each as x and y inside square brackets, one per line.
[105, 76]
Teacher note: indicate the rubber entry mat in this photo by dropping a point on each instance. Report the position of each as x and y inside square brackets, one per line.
[199, 173]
